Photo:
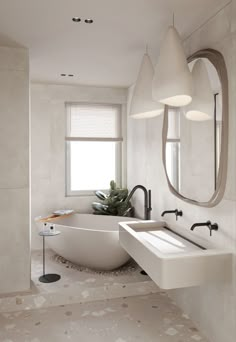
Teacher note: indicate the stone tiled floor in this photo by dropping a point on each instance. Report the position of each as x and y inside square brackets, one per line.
[151, 318]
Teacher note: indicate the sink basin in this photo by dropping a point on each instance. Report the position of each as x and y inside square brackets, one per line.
[171, 260]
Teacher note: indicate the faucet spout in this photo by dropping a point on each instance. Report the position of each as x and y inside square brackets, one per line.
[208, 224]
[201, 224]
[176, 212]
[147, 200]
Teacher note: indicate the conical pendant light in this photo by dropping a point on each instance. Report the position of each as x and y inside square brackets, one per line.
[142, 104]
[202, 106]
[172, 83]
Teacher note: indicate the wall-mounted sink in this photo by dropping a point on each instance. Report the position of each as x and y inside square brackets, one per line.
[171, 260]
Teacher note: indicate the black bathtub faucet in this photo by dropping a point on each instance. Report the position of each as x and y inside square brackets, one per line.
[208, 224]
[176, 212]
[147, 200]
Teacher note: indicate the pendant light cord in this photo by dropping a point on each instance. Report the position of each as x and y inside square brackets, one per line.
[209, 19]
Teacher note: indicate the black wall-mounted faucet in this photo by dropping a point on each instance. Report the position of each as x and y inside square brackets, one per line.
[176, 212]
[208, 224]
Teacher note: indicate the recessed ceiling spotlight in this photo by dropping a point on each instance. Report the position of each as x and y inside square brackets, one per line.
[63, 75]
[88, 21]
[76, 19]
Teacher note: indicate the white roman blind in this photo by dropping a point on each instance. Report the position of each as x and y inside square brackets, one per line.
[93, 122]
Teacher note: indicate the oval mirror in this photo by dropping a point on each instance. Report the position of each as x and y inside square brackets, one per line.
[195, 137]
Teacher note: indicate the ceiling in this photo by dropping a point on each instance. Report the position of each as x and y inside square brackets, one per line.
[107, 52]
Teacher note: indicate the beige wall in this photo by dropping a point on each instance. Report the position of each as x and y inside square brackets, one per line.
[213, 306]
[48, 145]
[14, 171]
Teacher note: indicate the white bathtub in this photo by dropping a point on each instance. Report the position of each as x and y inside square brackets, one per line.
[89, 240]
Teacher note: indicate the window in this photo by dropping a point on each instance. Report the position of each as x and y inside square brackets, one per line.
[173, 148]
[93, 147]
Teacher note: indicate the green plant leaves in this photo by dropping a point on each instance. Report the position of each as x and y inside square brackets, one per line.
[114, 203]
[101, 195]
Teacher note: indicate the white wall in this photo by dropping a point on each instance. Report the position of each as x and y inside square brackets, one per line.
[48, 145]
[14, 171]
[213, 306]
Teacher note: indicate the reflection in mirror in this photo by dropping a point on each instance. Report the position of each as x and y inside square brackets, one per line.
[193, 142]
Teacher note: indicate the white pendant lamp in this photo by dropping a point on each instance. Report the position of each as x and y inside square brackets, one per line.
[202, 106]
[172, 83]
[142, 105]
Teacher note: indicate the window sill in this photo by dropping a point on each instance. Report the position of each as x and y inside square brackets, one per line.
[84, 193]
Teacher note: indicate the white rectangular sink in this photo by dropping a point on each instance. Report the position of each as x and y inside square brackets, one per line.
[171, 260]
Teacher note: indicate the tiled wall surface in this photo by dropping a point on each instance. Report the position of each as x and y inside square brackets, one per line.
[14, 171]
[213, 306]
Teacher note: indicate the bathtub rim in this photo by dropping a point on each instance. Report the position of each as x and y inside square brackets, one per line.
[132, 220]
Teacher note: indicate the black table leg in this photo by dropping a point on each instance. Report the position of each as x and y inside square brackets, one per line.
[51, 277]
[43, 255]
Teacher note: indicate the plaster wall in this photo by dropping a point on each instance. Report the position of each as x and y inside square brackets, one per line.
[14, 170]
[212, 306]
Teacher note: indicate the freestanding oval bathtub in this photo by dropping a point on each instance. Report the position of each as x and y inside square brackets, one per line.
[89, 240]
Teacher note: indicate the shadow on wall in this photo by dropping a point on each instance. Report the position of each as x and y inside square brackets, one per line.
[7, 41]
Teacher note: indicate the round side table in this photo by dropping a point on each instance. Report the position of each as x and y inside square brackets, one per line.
[50, 277]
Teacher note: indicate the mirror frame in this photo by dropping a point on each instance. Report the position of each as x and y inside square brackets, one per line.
[217, 59]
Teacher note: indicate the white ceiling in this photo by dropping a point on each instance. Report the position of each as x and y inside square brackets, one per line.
[107, 52]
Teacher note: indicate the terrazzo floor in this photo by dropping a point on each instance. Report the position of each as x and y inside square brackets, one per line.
[76, 285]
[87, 306]
[84, 278]
[151, 318]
